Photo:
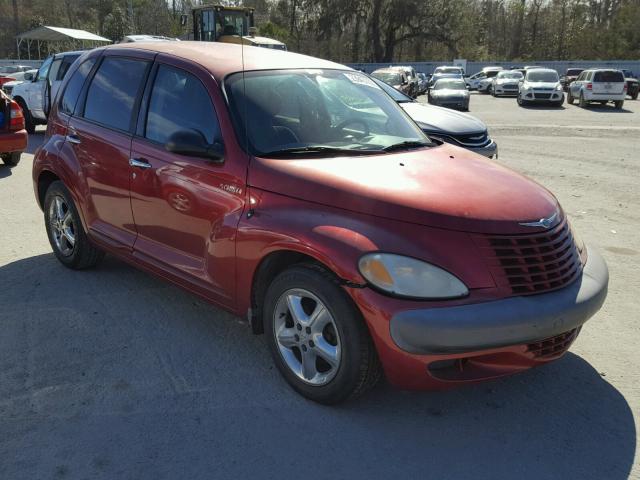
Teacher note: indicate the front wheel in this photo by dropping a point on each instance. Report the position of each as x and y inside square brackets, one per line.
[635, 95]
[317, 336]
[520, 100]
[68, 240]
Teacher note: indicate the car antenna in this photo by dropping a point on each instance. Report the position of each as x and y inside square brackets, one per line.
[250, 212]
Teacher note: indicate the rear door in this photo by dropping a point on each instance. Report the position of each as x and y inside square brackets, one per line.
[608, 82]
[186, 208]
[100, 136]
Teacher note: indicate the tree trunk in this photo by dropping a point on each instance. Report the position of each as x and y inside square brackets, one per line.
[16, 21]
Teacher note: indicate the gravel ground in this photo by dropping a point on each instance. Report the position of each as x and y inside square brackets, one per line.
[112, 373]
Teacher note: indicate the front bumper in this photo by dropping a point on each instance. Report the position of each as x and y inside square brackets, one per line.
[543, 97]
[454, 103]
[506, 322]
[490, 150]
[501, 90]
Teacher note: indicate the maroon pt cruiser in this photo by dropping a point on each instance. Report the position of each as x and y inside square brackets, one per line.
[298, 193]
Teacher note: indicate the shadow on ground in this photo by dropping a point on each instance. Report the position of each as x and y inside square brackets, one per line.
[112, 373]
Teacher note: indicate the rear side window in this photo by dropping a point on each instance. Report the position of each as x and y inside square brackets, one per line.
[112, 94]
[74, 87]
[179, 101]
[67, 61]
[609, 76]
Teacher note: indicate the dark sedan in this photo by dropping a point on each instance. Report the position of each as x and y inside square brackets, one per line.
[450, 93]
[446, 125]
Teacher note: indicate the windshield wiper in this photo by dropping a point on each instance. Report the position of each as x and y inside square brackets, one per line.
[407, 145]
[316, 149]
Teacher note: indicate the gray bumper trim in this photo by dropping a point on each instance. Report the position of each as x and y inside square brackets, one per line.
[511, 321]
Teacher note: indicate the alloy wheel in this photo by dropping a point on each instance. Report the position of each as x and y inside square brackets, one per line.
[307, 336]
[62, 226]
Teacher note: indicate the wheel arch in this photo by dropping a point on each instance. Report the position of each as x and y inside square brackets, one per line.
[269, 267]
[45, 179]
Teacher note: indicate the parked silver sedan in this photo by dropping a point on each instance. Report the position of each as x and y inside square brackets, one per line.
[505, 83]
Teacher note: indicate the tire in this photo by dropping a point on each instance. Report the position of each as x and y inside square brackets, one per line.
[520, 101]
[29, 124]
[11, 159]
[582, 102]
[343, 332]
[570, 98]
[491, 91]
[62, 222]
[634, 96]
[618, 104]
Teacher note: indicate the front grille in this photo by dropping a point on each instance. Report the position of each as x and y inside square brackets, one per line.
[542, 96]
[554, 346]
[532, 263]
[474, 140]
[510, 87]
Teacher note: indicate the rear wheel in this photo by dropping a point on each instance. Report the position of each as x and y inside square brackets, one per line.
[619, 104]
[582, 102]
[570, 98]
[64, 229]
[317, 336]
[29, 124]
[11, 159]
[635, 95]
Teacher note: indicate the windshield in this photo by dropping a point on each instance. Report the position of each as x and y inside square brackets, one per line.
[510, 75]
[574, 72]
[448, 70]
[297, 109]
[542, 76]
[391, 78]
[450, 84]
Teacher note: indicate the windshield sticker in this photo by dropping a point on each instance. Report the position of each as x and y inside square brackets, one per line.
[360, 79]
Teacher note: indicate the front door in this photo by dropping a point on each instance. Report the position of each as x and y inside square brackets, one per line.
[100, 135]
[186, 209]
[36, 90]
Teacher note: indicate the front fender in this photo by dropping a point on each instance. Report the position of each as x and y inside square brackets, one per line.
[337, 238]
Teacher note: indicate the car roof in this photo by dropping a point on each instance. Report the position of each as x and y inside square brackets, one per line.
[222, 59]
[385, 70]
[540, 69]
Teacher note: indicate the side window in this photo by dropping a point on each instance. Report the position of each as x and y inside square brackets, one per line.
[44, 70]
[179, 101]
[74, 87]
[53, 71]
[67, 61]
[113, 91]
[589, 75]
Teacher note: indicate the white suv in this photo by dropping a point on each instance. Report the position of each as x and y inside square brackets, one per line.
[540, 85]
[37, 92]
[598, 85]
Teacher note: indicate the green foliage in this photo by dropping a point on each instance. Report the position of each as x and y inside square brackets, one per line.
[373, 30]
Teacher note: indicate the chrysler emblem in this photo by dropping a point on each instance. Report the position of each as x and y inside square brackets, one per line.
[543, 222]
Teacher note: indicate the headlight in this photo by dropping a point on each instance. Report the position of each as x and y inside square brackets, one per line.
[559, 87]
[408, 277]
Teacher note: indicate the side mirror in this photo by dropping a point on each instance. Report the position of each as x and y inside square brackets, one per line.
[192, 143]
[28, 77]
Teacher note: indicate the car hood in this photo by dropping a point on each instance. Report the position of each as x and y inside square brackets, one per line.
[432, 118]
[444, 187]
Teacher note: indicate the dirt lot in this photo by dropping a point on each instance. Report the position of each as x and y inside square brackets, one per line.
[112, 373]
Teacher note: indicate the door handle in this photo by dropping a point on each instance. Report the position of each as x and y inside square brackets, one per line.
[72, 137]
[139, 162]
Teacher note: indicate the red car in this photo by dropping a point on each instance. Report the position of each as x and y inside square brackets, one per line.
[299, 194]
[13, 136]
